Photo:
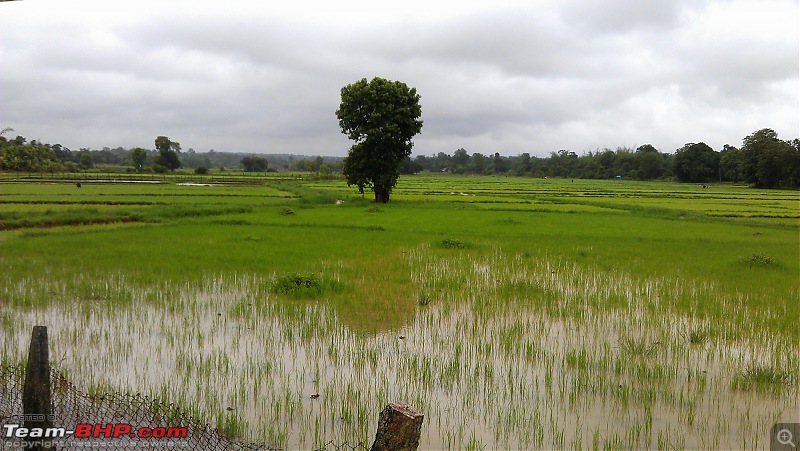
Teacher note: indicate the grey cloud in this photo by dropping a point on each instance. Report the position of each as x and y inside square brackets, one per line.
[534, 78]
[621, 16]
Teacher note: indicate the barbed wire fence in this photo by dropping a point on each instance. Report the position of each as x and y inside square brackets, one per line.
[72, 407]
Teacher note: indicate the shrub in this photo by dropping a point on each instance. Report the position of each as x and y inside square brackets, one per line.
[201, 170]
[159, 169]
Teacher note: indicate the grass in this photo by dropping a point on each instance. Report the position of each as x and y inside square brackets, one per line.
[305, 285]
[557, 313]
[764, 377]
[759, 261]
[451, 243]
[698, 336]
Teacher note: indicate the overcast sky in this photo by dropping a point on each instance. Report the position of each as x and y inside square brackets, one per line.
[494, 76]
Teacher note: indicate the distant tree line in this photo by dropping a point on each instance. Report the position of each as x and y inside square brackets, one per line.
[19, 155]
[763, 161]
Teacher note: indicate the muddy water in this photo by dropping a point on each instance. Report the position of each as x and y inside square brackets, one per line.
[507, 377]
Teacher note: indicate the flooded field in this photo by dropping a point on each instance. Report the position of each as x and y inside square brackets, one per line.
[507, 352]
[512, 323]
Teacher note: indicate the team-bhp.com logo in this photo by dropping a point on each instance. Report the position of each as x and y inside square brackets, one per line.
[88, 430]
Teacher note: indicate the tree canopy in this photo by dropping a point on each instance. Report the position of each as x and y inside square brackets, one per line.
[382, 117]
[768, 162]
[167, 153]
[138, 157]
[255, 164]
[696, 163]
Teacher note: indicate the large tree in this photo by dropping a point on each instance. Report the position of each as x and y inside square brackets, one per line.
[696, 163]
[168, 151]
[381, 116]
[255, 164]
[768, 162]
[18, 156]
[650, 163]
[138, 157]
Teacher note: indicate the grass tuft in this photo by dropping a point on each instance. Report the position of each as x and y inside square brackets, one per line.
[698, 335]
[759, 261]
[423, 298]
[304, 285]
[638, 346]
[763, 378]
[450, 243]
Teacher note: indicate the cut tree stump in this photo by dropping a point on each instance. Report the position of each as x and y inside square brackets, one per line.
[399, 428]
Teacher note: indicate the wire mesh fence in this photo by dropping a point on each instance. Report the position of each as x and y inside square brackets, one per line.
[117, 421]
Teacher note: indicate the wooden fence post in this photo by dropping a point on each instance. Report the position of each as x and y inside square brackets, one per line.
[399, 428]
[36, 389]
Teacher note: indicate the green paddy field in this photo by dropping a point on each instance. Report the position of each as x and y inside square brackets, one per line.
[512, 312]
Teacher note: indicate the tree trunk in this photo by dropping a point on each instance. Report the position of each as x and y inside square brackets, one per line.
[399, 429]
[381, 196]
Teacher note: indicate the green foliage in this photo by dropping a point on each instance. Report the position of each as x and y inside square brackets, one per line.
[768, 162]
[138, 157]
[382, 117]
[696, 163]
[85, 159]
[167, 153]
[650, 163]
[325, 171]
[201, 170]
[731, 164]
[21, 157]
[255, 164]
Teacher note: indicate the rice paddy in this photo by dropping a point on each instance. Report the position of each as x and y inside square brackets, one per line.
[514, 313]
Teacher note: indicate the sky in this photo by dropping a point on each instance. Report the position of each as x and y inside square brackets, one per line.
[502, 77]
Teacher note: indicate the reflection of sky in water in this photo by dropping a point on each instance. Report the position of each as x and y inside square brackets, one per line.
[505, 376]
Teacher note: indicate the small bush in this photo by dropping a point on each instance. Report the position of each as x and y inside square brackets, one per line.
[287, 211]
[201, 170]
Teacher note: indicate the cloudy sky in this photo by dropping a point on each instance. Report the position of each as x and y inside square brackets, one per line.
[499, 76]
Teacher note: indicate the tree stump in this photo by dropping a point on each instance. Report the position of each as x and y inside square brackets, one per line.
[399, 428]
